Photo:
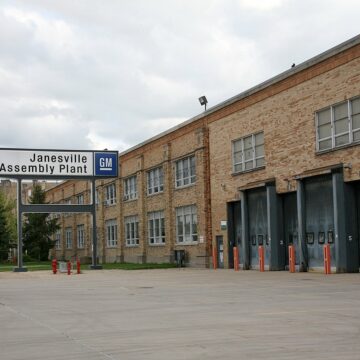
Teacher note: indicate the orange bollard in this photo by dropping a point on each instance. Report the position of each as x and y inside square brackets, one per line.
[54, 266]
[327, 259]
[214, 258]
[292, 258]
[236, 258]
[78, 266]
[261, 259]
[69, 268]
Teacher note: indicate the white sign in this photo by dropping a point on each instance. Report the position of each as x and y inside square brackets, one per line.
[39, 162]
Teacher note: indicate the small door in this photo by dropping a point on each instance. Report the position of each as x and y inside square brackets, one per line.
[220, 251]
[258, 235]
[291, 225]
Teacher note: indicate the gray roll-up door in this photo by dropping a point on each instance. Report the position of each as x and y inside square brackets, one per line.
[258, 225]
[319, 219]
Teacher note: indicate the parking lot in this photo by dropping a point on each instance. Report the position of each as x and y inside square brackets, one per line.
[179, 314]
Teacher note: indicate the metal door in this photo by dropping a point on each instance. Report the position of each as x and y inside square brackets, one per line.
[220, 250]
[319, 219]
[258, 228]
[291, 225]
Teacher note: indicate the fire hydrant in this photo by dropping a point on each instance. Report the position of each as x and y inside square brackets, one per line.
[54, 266]
[78, 266]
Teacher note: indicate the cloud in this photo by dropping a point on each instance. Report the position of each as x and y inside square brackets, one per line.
[74, 75]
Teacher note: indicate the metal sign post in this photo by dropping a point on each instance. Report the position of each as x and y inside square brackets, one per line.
[36, 164]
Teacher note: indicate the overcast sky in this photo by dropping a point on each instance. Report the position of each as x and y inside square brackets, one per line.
[90, 74]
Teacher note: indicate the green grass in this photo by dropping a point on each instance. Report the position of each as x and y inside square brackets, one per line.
[131, 266]
[31, 266]
[46, 265]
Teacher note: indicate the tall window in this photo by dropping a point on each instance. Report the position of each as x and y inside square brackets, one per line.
[155, 180]
[80, 199]
[80, 236]
[338, 125]
[111, 233]
[130, 188]
[156, 228]
[185, 171]
[248, 152]
[110, 194]
[132, 230]
[68, 237]
[58, 239]
[186, 224]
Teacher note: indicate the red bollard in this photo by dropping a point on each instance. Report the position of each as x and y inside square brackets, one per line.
[214, 258]
[261, 259]
[236, 258]
[292, 258]
[78, 266]
[54, 266]
[69, 268]
[327, 259]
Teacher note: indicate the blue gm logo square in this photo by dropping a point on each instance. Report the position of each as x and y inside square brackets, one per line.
[106, 164]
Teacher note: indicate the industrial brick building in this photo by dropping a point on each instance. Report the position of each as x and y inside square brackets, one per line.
[278, 164]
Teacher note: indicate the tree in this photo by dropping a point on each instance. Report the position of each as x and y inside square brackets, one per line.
[38, 228]
[7, 226]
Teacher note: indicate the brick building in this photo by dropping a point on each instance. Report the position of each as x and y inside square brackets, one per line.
[275, 165]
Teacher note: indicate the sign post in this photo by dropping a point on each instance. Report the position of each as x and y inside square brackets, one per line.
[33, 164]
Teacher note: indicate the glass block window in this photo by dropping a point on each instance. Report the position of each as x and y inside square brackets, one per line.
[338, 125]
[186, 224]
[111, 233]
[156, 228]
[185, 171]
[155, 181]
[130, 188]
[132, 230]
[248, 152]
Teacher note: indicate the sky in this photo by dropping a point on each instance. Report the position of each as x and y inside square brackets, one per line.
[91, 74]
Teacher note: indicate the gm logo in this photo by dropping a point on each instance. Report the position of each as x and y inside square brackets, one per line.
[106, 164]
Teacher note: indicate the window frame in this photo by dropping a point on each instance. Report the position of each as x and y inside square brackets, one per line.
[190, 179]
[333, 134]
[254, 159]
[110, 194]
[58, 239]
[68, 238]
[156, 234]
[183, 211]
[130, 188]
[131, 229]
[154, 174]
[111, 233]
[80, 236]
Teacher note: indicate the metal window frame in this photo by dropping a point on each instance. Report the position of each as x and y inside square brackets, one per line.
[131, 241]
[152, 216]
[179, 174]
[181, 212]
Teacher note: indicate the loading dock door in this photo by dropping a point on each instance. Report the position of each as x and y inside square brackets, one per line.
[319, 219]
[258, 226]
[291, 225]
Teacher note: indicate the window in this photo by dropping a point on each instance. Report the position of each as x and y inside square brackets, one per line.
[248, 152]
[132, 230]
[110, 194]
[186, 224]
[58, 239]
[155, 180]
[68, 236]
[156, 228]
[338, 125]
[130, 188]
[185, 172]
[80, 236]
[111, 233]
[97, 197]
[80, 199]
